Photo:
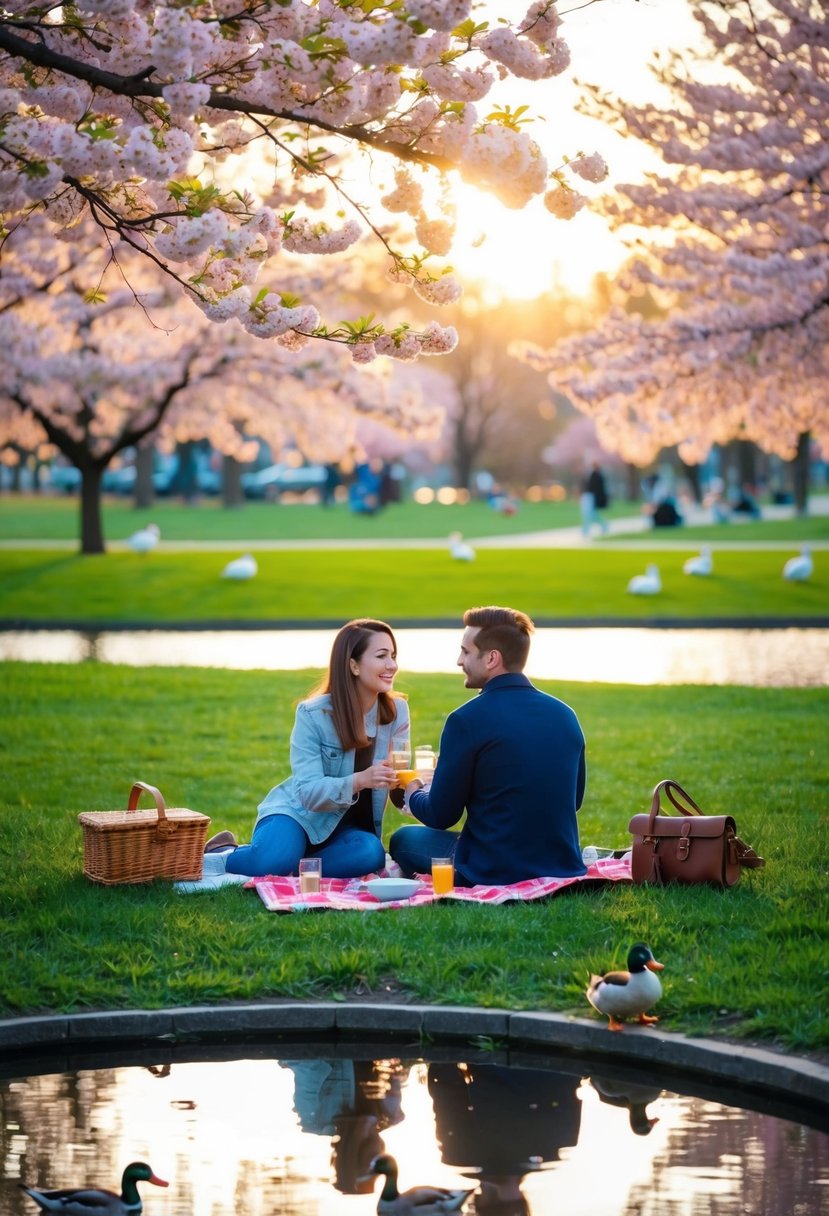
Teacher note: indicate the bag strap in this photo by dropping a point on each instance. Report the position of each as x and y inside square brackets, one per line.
[673, 792]
[746, 855]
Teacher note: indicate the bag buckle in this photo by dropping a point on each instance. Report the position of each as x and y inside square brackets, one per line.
[683, 847]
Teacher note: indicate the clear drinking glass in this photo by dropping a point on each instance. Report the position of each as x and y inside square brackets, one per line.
[425, 761]
[310, 875]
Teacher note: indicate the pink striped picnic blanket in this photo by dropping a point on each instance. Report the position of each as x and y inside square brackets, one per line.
[282, 894]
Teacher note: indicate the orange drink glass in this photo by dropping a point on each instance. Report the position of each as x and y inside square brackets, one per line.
[443, 875]
[401, 759]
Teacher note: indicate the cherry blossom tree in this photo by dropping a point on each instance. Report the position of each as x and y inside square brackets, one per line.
[91, 372]
[212, 138]
[736, 252]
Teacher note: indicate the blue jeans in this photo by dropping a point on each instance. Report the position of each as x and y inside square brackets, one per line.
[278, 843]
[414, 847]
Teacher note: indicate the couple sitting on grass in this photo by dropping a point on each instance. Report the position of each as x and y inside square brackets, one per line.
[512, 758]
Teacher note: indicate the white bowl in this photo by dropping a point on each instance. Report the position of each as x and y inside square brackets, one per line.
[392, 888]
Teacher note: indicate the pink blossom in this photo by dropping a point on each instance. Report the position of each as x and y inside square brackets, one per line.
[440, 14]
[438, 340]
[185, 99]
[590, 168]
[445, 290]
[407, 195]
[435, 235]
[403, 346]
[563, 202]
[522, 57]
[363, 352]
[301, 236]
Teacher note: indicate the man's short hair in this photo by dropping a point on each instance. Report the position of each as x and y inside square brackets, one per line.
[503, 629]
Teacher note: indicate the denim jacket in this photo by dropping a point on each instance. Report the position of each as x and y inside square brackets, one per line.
[320, 789]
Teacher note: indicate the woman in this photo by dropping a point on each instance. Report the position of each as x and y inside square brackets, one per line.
[332, 804]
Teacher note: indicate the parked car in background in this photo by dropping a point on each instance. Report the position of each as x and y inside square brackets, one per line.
[120, 480]
[64, 478]
[166, 475]
[271, 482]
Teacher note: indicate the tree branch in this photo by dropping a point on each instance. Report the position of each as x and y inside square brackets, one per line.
[139, 87]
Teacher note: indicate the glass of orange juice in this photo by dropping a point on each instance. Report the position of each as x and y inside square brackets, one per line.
[443, 875]
[401, 759]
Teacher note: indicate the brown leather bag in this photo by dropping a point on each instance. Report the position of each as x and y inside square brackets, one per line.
[695, 848]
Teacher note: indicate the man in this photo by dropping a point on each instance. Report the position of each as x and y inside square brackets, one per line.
[512, 758]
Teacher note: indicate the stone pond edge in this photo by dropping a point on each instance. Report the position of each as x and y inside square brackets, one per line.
[790, 1077]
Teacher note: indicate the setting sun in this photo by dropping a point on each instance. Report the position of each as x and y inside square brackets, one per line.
[520, 261]
[521, 256]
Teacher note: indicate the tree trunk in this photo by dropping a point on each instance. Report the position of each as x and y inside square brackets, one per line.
[186, 482]
[633, 482]
[691, 472]
[232, 495]
[747, 464]
[144, 488]
[92, 528]
[800, 474]
[463, 456]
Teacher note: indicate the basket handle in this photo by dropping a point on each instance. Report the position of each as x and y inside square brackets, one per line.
[135, 794]
[673, 792]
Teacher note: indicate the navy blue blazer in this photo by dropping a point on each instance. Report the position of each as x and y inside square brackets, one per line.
[513, 758]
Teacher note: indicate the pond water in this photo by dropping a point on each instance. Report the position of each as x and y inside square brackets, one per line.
[768, 658]
[261, 1136]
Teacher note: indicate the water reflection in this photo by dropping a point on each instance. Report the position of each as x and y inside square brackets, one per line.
[256, 1137]
[767, 658]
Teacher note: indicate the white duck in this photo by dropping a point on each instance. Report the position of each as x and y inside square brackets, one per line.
[144, 539]
[798, 569]
[241, 568]
[417, 1200]
[702, 564]
[85, 1201]
[460, 549]
[648, 583]
[626, 994]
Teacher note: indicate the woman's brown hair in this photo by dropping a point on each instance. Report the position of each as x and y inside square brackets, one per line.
[341, 683]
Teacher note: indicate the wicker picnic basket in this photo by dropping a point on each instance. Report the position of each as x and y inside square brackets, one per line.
[138, 846]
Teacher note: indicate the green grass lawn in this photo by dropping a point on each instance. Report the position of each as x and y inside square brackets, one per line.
[393, 584]
[750, 962]
[42, 517]
[32, 517]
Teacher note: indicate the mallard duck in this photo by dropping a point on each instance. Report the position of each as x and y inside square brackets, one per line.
[626, 994]
[420, 1200]
[84, 1201]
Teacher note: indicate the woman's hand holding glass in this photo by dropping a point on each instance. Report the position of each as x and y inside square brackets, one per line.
[379, 776]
